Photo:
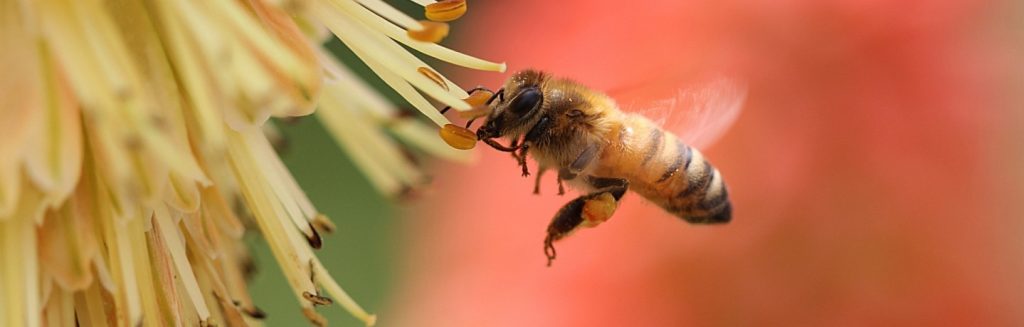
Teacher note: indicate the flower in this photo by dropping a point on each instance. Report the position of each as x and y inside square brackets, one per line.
[136, 146]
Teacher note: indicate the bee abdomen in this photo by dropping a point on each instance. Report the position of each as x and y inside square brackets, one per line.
[667, 172]
[683, 157]
[701, 195]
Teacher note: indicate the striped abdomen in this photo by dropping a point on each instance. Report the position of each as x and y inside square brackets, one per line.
[666, 171]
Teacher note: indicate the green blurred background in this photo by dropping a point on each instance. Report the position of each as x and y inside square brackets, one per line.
[358, 254]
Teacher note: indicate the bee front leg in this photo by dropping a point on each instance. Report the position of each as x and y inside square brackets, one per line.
[522, 158]
[514, 145]
[535, 133]
[588, 210]
[564, 175]
[536, 182]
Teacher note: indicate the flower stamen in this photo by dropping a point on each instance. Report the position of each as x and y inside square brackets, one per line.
[433, 76]
[458, 137]
[445, 10]
[432, 32]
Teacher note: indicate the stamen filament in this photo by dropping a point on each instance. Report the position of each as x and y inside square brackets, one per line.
[175, 245]
[357, 38]
[428, 48]
[323, 278]
[394, 15]
[424, 2]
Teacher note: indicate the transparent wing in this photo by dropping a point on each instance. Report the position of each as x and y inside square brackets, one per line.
[698, 111]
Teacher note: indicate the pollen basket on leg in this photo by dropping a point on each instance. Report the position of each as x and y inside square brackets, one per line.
[599, 209]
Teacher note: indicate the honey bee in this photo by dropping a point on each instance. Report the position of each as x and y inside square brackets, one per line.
[601, 150]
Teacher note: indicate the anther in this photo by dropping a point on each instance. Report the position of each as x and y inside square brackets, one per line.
[445, 10]
[433, 76]
[317, 299]
[321, 222]
[458, 137]
[254, 312]
[314, 240]
[479, 98]
[432, 32]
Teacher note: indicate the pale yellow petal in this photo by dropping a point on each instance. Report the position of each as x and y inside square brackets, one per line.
[181, 193]
[19, 276]
[70, 245]
[60, 309]
[175, 245]
[10, 182]
[303, 93]
[21, 99]
[168, 298]
[53, 158]
[139, 248]
[31, 203]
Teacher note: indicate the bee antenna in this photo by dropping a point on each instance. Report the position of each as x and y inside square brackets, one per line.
[499, 94]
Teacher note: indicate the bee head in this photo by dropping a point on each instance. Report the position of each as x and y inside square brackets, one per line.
[514, 115]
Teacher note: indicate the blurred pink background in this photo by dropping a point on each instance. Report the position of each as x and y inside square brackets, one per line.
[876, 173]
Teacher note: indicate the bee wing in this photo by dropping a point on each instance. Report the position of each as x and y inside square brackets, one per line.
[698, 112]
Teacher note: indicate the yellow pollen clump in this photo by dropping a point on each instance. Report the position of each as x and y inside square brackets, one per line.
[598, 210]
[432, 32]
[446, 10]
[458, 137]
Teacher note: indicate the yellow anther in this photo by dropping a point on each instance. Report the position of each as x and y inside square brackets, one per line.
[479, 98]
[433, 76]
[432, 32]
[446, 10]
[458, 137]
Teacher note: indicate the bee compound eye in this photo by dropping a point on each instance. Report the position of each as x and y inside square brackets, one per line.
[526, 100]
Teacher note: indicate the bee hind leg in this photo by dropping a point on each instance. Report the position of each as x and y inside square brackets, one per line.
[587, 210]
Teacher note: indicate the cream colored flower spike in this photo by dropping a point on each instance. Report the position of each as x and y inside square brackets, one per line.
[130, 126]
